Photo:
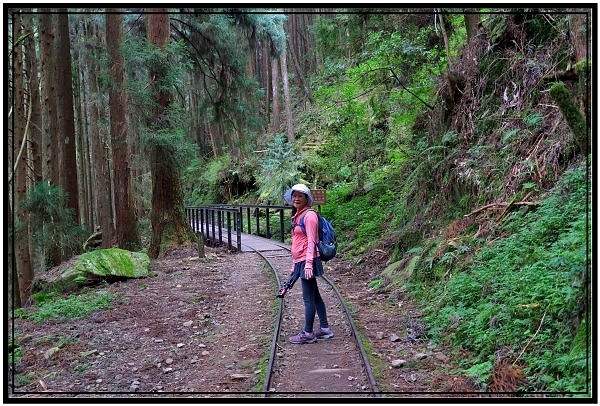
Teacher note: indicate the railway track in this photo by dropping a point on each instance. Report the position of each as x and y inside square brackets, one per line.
[331, 367]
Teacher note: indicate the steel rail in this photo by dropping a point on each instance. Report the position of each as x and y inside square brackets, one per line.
[269, 374]
[363, 355]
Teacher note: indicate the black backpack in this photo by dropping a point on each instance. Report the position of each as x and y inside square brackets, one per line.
[327, 243]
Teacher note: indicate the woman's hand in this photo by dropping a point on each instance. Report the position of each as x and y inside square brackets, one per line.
[308, 273]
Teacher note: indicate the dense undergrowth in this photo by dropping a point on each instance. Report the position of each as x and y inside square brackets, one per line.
[466, 173]
[524, 297]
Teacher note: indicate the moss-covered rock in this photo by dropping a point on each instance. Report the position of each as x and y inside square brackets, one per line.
[106, 265]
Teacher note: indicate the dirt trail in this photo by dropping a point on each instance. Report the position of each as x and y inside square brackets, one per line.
[202, 328]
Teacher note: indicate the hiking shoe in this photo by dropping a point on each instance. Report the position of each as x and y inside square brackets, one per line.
[323, 333]
[303, 338]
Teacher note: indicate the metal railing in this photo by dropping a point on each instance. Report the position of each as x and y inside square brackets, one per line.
[212, 221]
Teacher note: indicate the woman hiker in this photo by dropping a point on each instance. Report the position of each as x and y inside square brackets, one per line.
[306, 260]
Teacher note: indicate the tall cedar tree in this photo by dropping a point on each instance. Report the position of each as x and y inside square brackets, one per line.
[51, 151]
[169, 224]
[66, 115]
[99, 136]
[126, 230]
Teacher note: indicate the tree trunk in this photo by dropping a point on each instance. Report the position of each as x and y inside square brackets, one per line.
[34, 134]
[13, 279]
[99, 141]
[472, 21]
[265, 82]
[126, 230]
[23, 257]
[169, 224]
[50, 150]
[68, 170]
[442, 22]
[14, 296]
[276, 123]
[288, 102]
[579, 33]
[50, 120]
[81, 140]
[300, 51]
[35, 122]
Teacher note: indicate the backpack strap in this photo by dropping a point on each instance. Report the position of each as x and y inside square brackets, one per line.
[303, 228]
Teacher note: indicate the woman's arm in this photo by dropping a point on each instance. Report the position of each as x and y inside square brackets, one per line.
[311, 224]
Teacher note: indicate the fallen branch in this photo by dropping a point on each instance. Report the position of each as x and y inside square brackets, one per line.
[531, 339]
[510, 205]
[501, 206]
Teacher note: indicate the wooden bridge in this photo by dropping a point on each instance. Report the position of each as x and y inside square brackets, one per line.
[241, 227]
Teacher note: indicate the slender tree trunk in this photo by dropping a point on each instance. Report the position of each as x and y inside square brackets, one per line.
[169, 224]
[23, 257]
[13, 278]
[314, 60]
[84, 121]
[297, 48]
[442, 22]
[126, 222]
[81, 140]
[265, 77]
[14, 296]
[35, 122]
[68, 170]
[34, 134]
[276, 123]
[214, 139]
[251, 62]
[287, 99]
[99, 140]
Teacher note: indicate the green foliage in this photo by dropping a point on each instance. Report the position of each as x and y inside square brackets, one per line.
[142, 57]
[51, 306]
[527, 286]
[573, 115]
[481, 372]
[271, 26]
[211, 181]
[52, 222]
[359, 221]
[534, 120]
[279, 170]
[201, 180]
[450, 138]
[227, 98]
[169, 65]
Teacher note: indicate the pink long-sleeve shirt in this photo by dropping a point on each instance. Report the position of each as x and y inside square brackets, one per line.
[304, 247]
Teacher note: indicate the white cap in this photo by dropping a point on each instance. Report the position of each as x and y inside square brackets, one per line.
[299, 187]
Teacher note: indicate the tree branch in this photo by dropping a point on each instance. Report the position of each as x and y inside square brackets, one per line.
[408, 90]
[501, 205]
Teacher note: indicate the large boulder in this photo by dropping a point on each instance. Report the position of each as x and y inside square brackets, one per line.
[101, 265]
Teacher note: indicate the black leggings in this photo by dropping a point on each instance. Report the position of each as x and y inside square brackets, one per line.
[313, 303]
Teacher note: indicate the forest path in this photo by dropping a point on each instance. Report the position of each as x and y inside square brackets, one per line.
[201, 328]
